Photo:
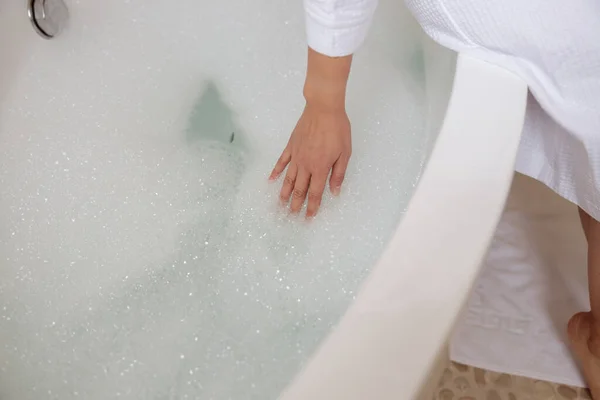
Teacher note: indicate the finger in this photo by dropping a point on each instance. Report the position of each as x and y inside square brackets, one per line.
[338, 173]
[315, 194]
[283, 161]
[288, 183]
[300, 190]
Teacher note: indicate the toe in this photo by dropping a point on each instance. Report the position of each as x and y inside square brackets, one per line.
[579, 328]
[580, 334]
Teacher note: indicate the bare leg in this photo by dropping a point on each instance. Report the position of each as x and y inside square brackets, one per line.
[584, 328]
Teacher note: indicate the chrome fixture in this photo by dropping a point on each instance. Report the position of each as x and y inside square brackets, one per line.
[48, 17]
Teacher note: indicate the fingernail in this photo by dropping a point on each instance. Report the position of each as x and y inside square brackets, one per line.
[336, 191]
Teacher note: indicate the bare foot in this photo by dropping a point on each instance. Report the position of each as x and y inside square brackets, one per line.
[585, 341]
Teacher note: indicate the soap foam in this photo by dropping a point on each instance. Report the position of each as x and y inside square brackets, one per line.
[144, 254]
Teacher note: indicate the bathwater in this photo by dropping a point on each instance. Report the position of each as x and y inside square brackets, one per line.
[143, 255]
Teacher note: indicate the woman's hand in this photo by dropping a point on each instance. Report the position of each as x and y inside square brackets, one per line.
[321, 143]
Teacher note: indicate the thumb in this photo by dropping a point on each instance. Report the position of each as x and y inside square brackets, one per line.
[283, 162]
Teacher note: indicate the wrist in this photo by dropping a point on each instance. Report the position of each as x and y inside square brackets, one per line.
[325, 96]
[326, 80]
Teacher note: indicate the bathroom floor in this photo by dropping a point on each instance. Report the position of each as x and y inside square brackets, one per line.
[462, 382]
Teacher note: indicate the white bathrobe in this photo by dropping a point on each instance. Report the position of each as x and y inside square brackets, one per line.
[554, 45]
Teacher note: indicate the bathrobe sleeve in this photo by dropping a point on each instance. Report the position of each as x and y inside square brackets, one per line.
[337, 28]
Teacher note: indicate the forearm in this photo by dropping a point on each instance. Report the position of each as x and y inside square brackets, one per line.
[335, 30]
[326, 80]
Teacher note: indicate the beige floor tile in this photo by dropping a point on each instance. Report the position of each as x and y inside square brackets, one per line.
[461, 382]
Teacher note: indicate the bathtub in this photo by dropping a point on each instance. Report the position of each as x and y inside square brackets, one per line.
[392, 341]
